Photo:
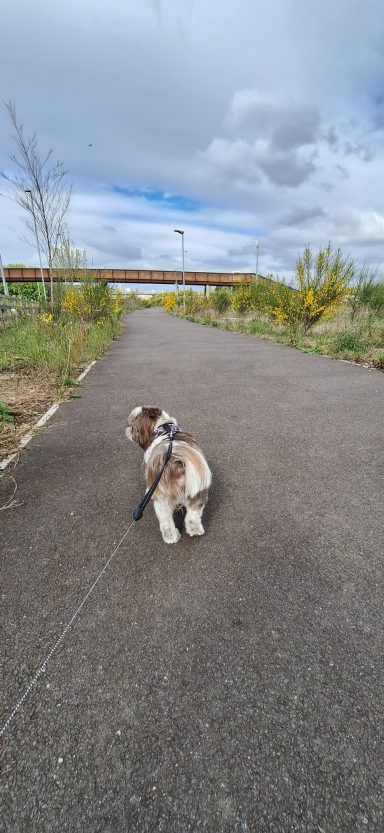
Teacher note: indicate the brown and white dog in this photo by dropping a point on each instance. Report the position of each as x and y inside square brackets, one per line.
[186, 477]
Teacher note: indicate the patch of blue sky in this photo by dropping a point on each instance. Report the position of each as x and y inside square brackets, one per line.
[180, 203]
[176, 201]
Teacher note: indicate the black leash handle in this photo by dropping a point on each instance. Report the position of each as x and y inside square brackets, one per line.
[139, 511]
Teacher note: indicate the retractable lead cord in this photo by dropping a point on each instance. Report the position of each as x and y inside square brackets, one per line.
[167, 429]
[43, 667]
[170, 429]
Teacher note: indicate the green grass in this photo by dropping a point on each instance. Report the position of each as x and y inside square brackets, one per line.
[60, 348]
[6, 414]
[348, 342]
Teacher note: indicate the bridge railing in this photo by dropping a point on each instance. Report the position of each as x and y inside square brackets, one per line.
[138, 276]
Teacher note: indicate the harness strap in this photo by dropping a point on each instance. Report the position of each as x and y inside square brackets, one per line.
[170, 429]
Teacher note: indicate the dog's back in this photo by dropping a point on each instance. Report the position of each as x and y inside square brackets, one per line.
[186, 475]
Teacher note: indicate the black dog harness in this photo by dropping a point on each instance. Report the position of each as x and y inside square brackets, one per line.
[167, 429]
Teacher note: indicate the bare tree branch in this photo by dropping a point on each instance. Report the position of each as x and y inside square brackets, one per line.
[47, 182]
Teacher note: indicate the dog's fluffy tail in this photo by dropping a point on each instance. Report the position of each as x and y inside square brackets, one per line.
[198, 475]
[186, 475]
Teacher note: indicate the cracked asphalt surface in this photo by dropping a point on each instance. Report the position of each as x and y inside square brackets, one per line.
[229, 684]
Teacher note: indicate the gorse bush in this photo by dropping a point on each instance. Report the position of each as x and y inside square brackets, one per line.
[242, 300]
[169, 301]
[92, 301]
[257, 295]
[195, 302]
[323, 287]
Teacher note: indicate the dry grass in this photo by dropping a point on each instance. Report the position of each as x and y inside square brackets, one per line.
[27, 397]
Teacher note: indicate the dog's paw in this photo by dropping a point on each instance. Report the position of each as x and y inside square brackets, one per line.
[194, 528]
[171, 536]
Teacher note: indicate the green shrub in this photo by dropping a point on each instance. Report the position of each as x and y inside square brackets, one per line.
[220, 300]
[29, 291]
[367, 294]
[195, 302]
[257, 295]
[348, 342]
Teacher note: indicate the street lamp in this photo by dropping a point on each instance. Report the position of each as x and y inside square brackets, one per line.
[257, 259]
[38, 245]
[180, 231]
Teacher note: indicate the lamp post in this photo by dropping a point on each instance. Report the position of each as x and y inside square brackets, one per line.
[180, 231]
[257, 259]
[38, 246]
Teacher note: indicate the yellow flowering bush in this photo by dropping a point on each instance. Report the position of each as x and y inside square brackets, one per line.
[195, 302]
[323, 287]
[92, 301]
[46, 318]
[252, 296]
[169, 301]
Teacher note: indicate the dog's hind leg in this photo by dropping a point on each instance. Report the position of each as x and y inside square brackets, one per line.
[195, 508]
[164, 512]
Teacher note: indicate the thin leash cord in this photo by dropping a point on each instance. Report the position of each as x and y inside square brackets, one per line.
[58, 642]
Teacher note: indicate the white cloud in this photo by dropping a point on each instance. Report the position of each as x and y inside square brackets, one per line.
[270, 117]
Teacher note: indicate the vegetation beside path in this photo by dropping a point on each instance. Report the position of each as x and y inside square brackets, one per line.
[44, 348]
[334, 308]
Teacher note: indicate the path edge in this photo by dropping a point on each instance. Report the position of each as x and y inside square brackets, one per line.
[41, 422]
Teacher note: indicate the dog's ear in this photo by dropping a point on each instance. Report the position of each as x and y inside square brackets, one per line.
[143, 425]
[152, 412]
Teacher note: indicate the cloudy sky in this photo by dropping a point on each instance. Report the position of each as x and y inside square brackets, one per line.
[233, 119]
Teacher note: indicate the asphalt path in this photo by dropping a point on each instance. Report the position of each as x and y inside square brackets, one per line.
[231, 683]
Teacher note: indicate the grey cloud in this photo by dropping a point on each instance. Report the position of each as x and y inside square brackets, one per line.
[243, 162]
[298, 216]
[378, 120]
[342, 171]
[363, 151]
[289, 170]
[270, 138]
[234, 159]
[297, 129]
[116, 250]
[247, 249]
[254, 115]
[332, 139]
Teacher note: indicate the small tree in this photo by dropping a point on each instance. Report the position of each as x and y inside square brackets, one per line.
[49, 196]
[323, 287]
[220, 300]
[68, 261]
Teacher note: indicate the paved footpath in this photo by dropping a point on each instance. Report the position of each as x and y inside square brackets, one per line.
[229, 684]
